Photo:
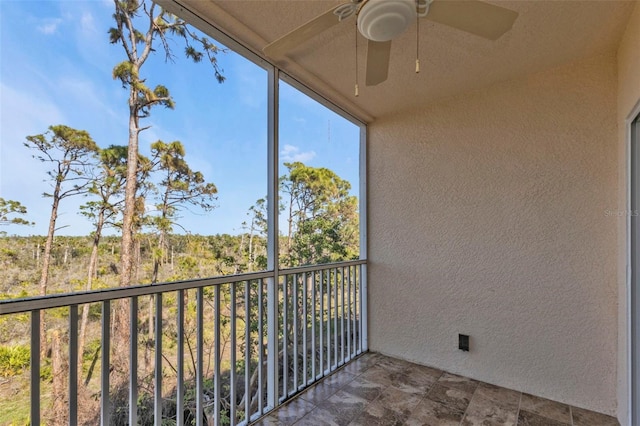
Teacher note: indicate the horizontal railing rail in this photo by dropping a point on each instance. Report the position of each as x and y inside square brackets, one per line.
[199, 351]
[18, 305]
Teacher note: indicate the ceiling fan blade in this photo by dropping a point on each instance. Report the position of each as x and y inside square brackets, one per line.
[377, 62]
[473, 16]
[301, 34]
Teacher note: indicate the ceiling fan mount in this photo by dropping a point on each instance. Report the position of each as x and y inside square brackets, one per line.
[380, 21]
[384, 20]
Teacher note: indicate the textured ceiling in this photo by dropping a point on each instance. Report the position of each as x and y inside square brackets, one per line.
[545, 34]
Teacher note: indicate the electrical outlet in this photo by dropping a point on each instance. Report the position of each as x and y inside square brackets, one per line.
[463, 342]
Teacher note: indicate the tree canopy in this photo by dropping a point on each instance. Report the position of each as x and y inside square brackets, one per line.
[11, 213]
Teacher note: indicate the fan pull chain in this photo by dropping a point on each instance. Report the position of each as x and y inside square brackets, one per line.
[356, 40]
[417, 43]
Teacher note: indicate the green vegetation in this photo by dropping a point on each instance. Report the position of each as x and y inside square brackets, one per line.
[13, 360]
[11, 213]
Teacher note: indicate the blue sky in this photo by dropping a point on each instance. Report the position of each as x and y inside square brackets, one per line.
[55, 68]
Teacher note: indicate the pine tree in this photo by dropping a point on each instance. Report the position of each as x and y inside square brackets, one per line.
[71, 154]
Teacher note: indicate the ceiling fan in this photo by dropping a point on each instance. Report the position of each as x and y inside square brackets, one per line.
[380, 21]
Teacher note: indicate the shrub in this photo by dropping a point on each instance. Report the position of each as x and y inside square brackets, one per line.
[14, 360]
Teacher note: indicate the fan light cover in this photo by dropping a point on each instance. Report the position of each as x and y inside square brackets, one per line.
[383, 20]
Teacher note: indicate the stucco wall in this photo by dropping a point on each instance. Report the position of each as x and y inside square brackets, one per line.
[487, 216]
[628, 97]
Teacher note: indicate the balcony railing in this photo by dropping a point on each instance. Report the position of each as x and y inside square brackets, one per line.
[223, 350]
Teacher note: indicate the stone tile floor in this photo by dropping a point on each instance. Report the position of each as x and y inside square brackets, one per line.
[378, 390]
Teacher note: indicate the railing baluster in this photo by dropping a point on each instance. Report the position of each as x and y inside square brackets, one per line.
[234, 348]
[359, 309]
[313, 326]
[327, 343]
[360, 296]
[349, 276]
[200, 356]
[342, 341]
[354, 323]
[272, 342]
[285, 332]
[354, 333]
[106, 348]
[365, 309]
[356, 307]
[330, 329]
[247, 351]
[35, 367]
[321, 324]
[260, 345]
[133, 361]
[180, 360]
[294, 310]
[157, 391]
[305, 325]
[335, 318]
[216, 380]
[73, 364]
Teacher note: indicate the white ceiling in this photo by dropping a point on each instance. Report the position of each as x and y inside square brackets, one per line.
[545, 34]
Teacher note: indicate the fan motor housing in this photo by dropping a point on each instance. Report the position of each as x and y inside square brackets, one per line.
[383, 20]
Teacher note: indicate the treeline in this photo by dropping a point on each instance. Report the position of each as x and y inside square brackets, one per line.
[188, 257]
[322, 225]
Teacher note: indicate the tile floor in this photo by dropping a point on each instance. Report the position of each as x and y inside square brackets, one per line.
[378, 390]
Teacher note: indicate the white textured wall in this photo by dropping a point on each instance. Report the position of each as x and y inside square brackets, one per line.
[628, 96]
[487, 217]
